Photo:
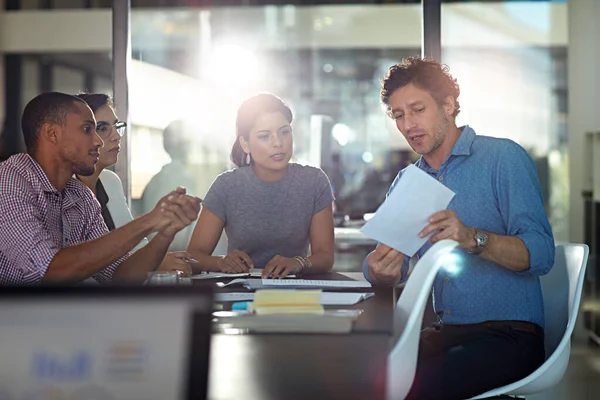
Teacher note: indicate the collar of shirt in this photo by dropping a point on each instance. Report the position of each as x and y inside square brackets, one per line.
[71, 193]
[462, 147]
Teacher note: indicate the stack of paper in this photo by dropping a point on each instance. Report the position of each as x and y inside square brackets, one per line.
[331, 321]
[327, 298]
[297, 283]
[287, 302]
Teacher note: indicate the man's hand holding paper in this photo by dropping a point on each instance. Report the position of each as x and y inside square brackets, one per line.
[407, 210]
[448, 226]
[385, 265]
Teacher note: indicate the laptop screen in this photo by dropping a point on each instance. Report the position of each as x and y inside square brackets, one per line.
[97, 343]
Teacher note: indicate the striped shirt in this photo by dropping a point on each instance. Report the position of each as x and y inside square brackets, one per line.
[37, 221]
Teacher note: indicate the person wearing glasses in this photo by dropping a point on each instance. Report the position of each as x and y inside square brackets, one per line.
[51, 225]
[107, 186]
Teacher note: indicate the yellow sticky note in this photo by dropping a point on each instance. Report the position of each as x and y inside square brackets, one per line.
[288, 302]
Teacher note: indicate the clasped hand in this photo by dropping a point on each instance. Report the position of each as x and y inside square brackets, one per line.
[175, 211]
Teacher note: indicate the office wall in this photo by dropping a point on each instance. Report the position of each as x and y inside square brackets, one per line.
[350, 26]
[584, 98]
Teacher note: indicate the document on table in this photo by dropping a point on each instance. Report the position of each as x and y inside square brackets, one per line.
[326, 299]
[305, 283]
[406, 211]
[296, 283]
[223, 275]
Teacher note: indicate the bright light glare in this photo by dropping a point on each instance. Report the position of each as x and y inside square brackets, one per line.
[451, 263]
[367, 157]
[341, 133]
[233, 64]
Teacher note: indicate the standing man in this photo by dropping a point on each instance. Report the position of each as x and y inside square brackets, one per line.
[490, 312]
[51, 226]
[177, 141]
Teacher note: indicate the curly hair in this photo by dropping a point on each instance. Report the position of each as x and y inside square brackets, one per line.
[425, 73]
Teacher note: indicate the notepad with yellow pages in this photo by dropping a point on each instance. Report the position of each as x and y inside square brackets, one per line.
[327, 298]
[287, 302]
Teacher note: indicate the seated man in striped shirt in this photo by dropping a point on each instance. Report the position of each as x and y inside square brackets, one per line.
[51, 226]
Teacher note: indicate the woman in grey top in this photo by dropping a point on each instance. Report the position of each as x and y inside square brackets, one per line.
[271, 209]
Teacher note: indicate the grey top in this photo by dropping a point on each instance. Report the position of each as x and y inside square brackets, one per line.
[265, 219]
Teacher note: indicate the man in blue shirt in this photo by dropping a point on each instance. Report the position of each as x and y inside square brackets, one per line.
[490, 309]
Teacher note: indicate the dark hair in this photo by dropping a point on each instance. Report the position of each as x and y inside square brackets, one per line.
[247, 114]
[47, 107]
[96, 100]
[427, 74]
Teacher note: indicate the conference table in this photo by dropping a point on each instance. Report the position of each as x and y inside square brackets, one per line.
[307, 365]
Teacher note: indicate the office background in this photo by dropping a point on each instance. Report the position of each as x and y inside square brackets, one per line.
[528, 71]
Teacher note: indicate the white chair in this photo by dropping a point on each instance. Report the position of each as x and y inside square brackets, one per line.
[561, 289]
[402, 361]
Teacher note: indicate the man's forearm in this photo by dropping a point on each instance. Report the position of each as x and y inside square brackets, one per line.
[507, 251]
[146, 259]
[79, 262]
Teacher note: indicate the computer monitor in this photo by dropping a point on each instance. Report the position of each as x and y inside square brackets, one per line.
[105, 343]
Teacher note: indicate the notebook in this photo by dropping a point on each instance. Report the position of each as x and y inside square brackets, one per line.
[326, 298]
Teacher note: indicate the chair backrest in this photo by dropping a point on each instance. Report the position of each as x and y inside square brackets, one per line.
[561, 300]
[561, 289]
[402, 361]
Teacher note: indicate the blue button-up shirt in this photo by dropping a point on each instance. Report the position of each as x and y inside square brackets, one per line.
[497, 190]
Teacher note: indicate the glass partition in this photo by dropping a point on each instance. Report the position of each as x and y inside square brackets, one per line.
[510, 60]
[325, 61]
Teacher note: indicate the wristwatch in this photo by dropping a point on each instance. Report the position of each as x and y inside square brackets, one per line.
[481, 238]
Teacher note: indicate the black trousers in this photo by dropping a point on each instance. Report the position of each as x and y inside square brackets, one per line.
[460, 362]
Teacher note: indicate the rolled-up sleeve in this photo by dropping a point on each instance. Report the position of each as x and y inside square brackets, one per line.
[522, 208]
[25, 245]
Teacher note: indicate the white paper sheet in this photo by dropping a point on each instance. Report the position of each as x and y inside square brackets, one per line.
[310, 283]
[222, 275]
[406, 211]
[327, 298]
[296, 283]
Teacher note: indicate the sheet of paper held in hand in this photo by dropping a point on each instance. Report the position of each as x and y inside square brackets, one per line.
[406, 211]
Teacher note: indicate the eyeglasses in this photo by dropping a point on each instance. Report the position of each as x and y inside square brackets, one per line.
[104, 130]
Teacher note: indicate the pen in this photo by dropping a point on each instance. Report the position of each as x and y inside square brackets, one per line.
[245, 263]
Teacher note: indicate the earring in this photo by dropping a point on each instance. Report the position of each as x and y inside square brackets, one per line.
[248, 158]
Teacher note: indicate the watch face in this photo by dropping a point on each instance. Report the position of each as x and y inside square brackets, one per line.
[481, 238]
